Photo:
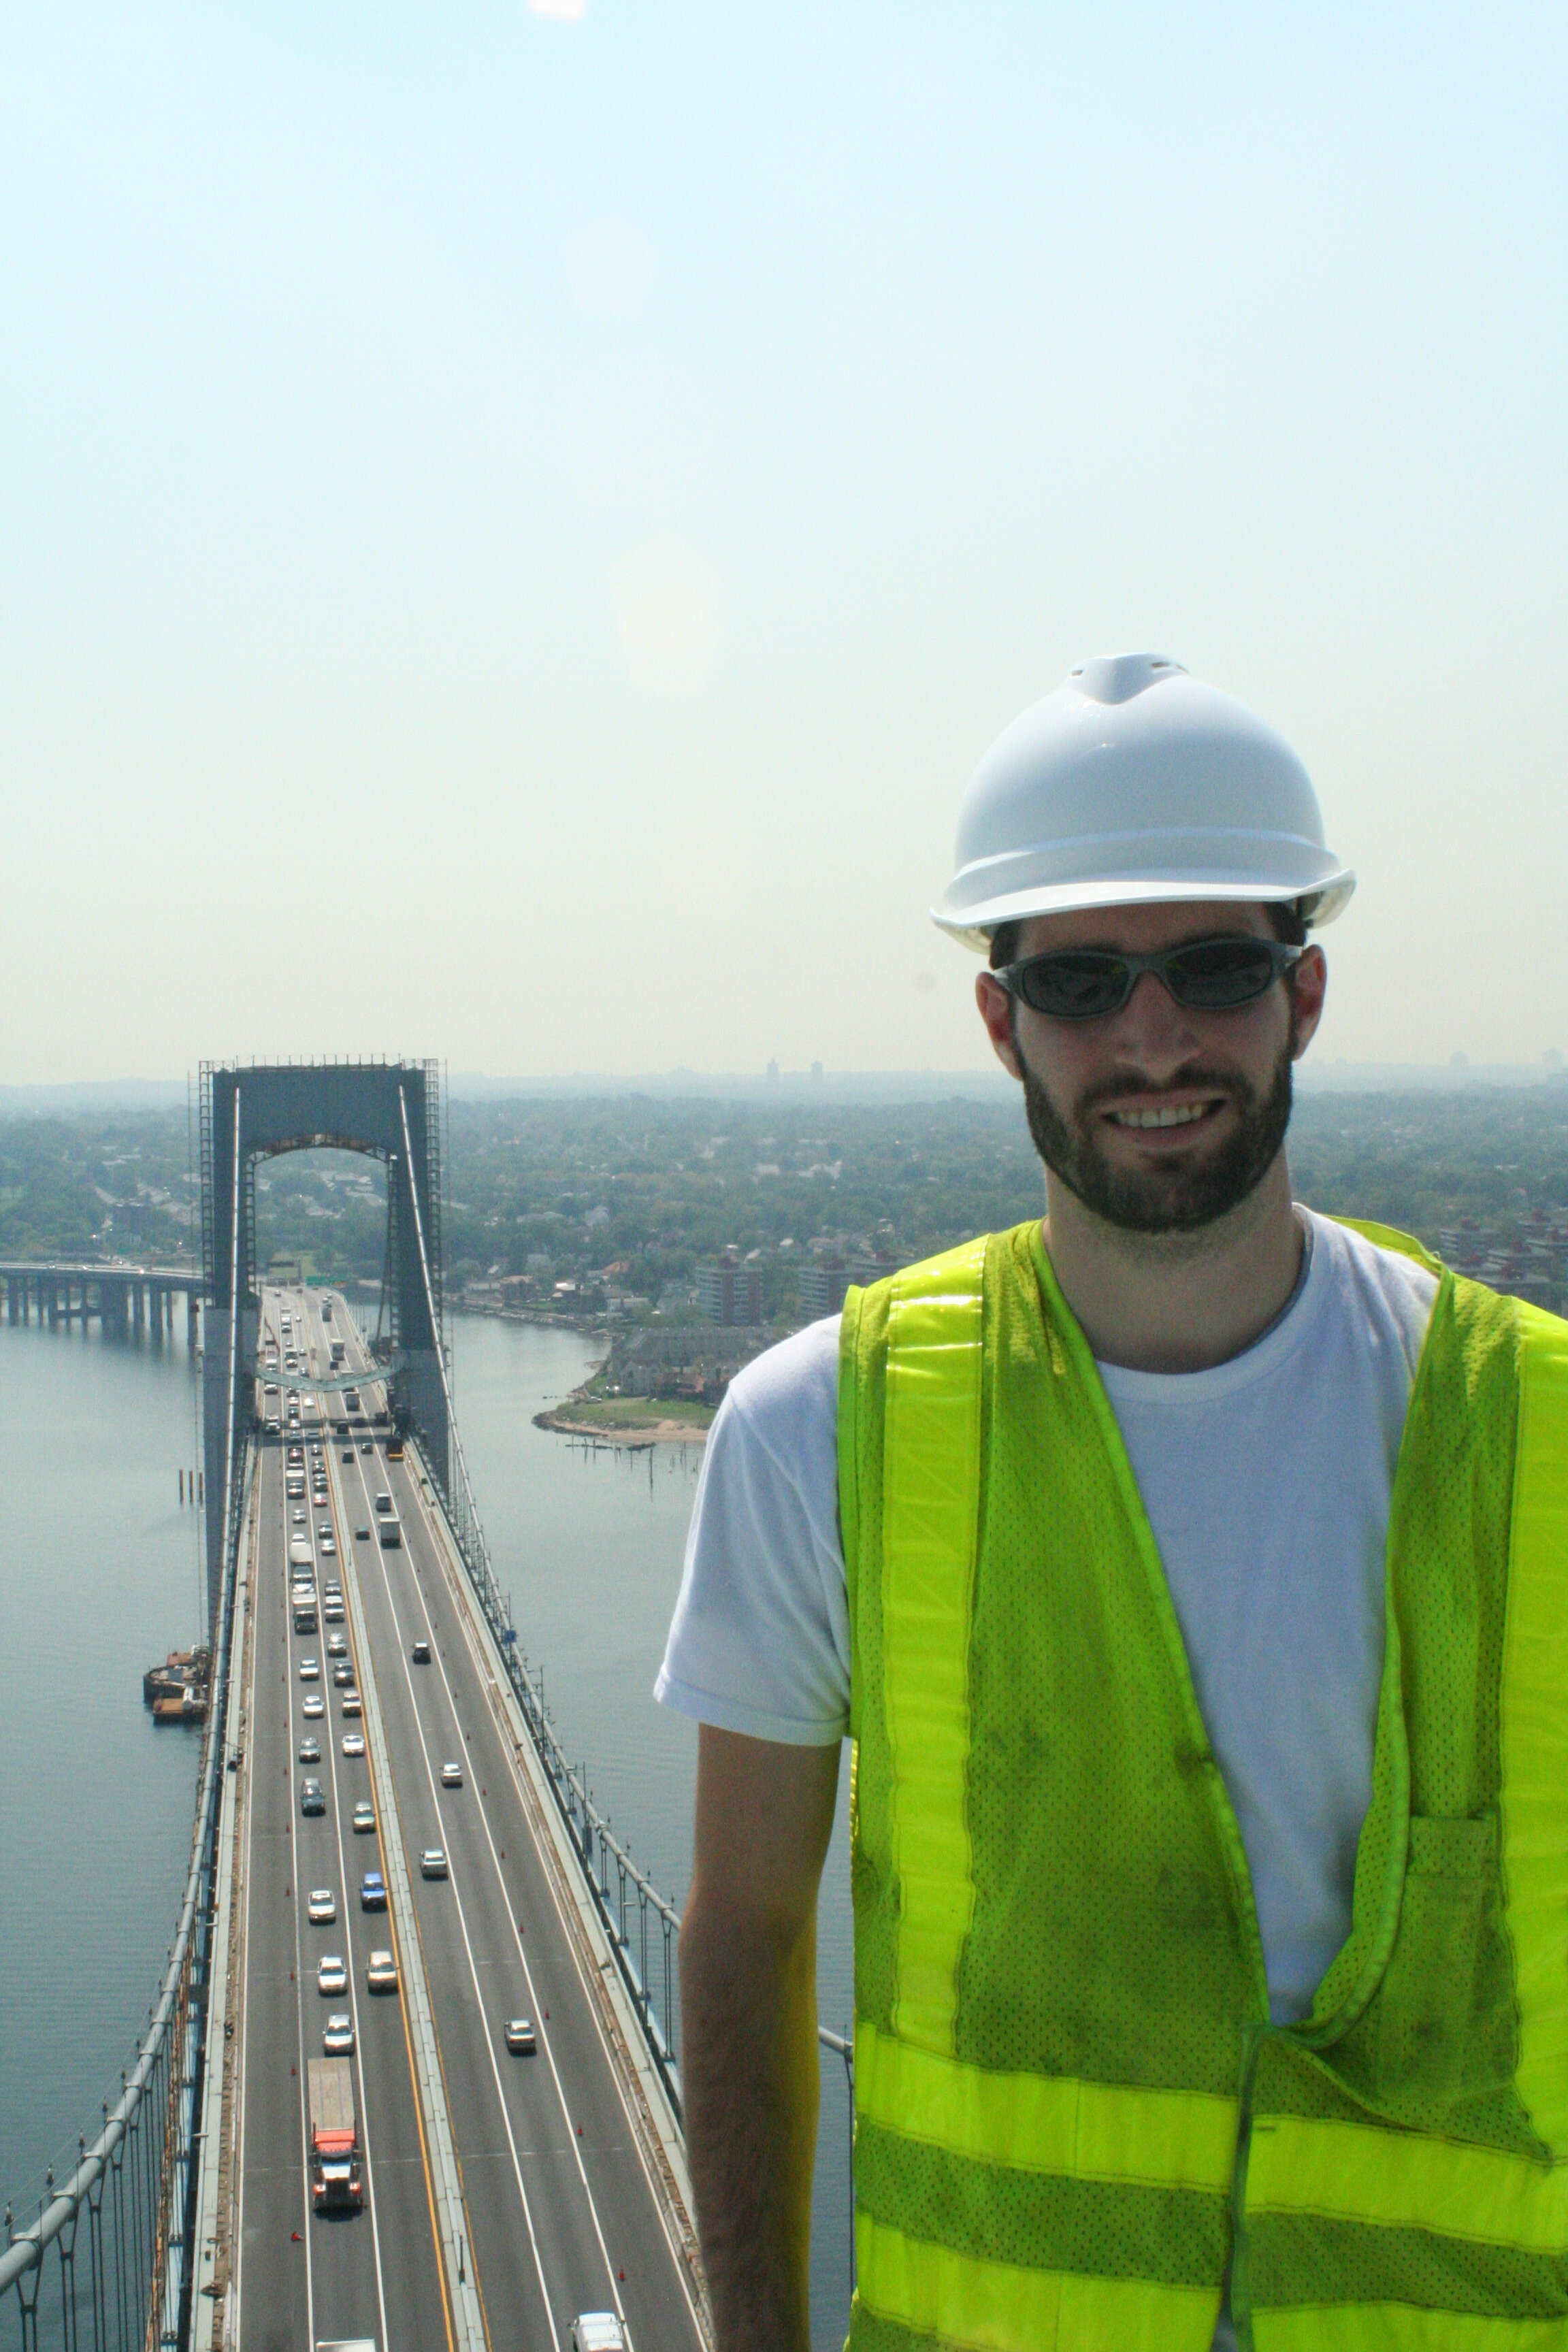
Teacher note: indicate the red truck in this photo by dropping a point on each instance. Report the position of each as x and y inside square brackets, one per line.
[336, 2183]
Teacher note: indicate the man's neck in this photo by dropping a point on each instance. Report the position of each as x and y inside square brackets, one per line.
[1177, 1302]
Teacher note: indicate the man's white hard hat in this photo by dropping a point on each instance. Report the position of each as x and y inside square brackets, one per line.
[1134, 782]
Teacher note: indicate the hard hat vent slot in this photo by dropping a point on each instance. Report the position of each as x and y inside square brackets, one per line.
[1117, 678]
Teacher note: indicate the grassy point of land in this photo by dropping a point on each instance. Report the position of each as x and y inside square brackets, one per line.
[666, 1418]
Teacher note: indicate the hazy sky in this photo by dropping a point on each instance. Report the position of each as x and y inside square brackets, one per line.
[517, 522]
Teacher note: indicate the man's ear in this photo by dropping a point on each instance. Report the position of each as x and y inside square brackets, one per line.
[1308, 986]
[998, 1013]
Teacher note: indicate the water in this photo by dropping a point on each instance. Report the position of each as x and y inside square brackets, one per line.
[99, 1578]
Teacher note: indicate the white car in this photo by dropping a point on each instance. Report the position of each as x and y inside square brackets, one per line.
[309, 1670]
[598, 2331]
[297, 1516]
[451, 1775]
[338, 2034]
[313, 1704]
[354, 1743]
[337, 1645]
[321, 1909]
[381, 1972]
[433, 1863]
[332, 1975]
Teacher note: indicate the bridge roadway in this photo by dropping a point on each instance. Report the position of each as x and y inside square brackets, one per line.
[563, 2216]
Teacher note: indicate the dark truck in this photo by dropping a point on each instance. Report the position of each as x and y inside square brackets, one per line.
[336, 2185]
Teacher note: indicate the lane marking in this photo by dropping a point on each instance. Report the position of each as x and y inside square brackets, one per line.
[372, 1721]
[474, 1976]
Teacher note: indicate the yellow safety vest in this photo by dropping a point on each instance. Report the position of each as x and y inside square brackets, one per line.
[1073, 2114]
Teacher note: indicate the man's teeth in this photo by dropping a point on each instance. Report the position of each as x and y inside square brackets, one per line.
[1181, 1115]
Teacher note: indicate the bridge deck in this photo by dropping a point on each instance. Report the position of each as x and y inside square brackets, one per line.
[561, 2211]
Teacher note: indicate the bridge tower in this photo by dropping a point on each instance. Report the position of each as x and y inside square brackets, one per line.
[254, 1111]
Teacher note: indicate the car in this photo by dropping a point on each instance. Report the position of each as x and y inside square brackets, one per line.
[598, 2331]
[329, 1544]
[381, 1972]
[333, 1612]
[420, 1653]
[353, 1703]
[433, 1863]
[310, 1749]
[520, 2035]
[354, 1743]
[362, 1534]
[451, 1775]
[348, 1453]
[332, 1589]
[274, 1428]
[338, 2034]
[342, 1672]
[332, 1975]
[337, 1645]
[296, 1454]
[321, 1907]
[312, 1798]
[364, 1818]
[365, 1446]
[373, 1892]
[297, 1517]
[384, 1504]
[314, 1704]
[309, 1670]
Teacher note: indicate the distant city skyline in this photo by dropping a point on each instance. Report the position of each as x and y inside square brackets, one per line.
[519, 521]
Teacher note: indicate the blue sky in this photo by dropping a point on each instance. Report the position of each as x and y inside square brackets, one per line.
[515, 528]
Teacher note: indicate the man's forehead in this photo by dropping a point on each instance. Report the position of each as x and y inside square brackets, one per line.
[1145, 924]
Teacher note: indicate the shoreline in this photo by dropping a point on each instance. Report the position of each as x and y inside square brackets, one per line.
[636, 1435]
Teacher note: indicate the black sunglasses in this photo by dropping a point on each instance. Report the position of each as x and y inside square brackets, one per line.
[1206, 976]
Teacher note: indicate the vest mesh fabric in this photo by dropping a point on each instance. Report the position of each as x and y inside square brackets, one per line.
[1068, 2149]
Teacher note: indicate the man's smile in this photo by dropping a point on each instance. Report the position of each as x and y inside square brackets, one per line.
[1185, 1114]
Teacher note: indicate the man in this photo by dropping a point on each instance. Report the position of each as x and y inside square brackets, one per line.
[1190, 1572]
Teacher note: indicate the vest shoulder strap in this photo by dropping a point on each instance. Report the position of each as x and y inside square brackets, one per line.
[1389, 1238]
[1534, 1721]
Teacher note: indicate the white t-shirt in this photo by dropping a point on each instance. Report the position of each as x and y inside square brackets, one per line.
[1267, 1482]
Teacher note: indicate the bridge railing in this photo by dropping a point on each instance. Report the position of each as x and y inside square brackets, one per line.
[597, 1848]
[129, 2281]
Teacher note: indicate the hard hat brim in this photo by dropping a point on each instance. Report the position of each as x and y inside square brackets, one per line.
[1321, 901]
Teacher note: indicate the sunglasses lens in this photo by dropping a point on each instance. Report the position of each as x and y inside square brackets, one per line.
[1216, 974]
[1075, 987]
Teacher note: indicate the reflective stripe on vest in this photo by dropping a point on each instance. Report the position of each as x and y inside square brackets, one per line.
[1044, 2204]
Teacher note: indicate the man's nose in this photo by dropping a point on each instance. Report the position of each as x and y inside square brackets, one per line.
[1152, 1028]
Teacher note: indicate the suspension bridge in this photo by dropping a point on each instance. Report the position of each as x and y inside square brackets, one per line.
[393, 1861]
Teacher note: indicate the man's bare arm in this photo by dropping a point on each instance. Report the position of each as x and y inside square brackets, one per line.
[748, 1990]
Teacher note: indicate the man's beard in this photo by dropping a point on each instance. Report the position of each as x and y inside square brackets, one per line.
[1191, 1189]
